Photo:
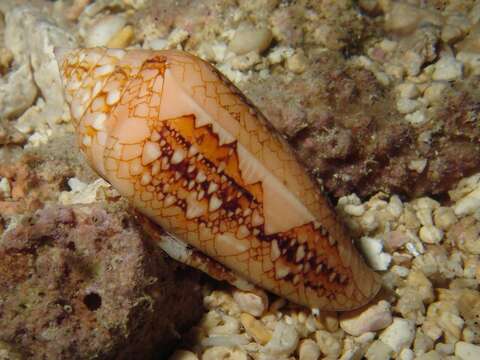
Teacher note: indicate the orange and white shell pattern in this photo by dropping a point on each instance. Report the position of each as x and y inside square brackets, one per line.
[190, 152]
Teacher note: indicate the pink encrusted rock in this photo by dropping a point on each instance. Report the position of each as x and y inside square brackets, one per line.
[82, 282]
[375, 317]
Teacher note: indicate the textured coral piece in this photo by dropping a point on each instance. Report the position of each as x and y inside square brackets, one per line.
[190, 152]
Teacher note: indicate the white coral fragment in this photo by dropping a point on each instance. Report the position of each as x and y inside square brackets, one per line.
[372, 249]
[284, 340]
[399, 335]
[82, 193]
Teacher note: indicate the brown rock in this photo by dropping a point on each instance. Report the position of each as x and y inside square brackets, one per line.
[80, 282]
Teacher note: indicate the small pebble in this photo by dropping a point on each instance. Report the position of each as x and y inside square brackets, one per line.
[430, 234]
[447, 68]
[100, 33]
[466, 351]
[328, 344]
[378, 350]
[375, 317]
[373, 250]
[399, 335]
[284, 340]
[255, 329]
[254, 303]
[308, 350]
[250, 39]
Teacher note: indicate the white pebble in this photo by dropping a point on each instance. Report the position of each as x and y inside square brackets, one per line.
[104, 29]
[354, 210]
[406, 354]
[407, 106]
[399, 335]
[444, 217]
[395, 206]
[425, 216]
[447, 68]
[246, 40]
[401, 271]
[417, 165]
[369, 221]
[308, 350]
[378, 350]
[434, 92]
[284, 340]
[375, 317]
[372, 249]
[417, 118]
[297, 63]
[407, 90]
[430, 234]
[328, 344]
[5, 187]
[468, 204]
[466, 351]
[253, 303]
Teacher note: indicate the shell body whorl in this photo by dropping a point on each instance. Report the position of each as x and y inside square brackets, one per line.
[190, 152]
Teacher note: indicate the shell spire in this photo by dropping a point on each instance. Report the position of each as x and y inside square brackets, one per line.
[191, 153]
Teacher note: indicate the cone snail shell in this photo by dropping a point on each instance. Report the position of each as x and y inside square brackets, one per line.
[190, 152]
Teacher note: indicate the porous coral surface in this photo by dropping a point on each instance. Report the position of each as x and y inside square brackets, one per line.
[77, 282]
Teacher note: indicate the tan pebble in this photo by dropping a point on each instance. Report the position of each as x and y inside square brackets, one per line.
[255, 329]
[122, 39]
[425, 216]
[431, 329]
[421, 284]
[406, 354]
[284, 340]
[430, 234]
[354, 210]
[328, 344]
[468, 204]
[329, 320]
[407, 106]
[369, 221]
[444, 217]
[431, 355]
[308, 350]
[448, 68]
[407, 90]
[254, 303]
[466, 351]
[399, 335]
[433, 93]
[378, 350]
[373, 318]
[445, 349]
[100, 33]
[452, 325]
[250, 39]
[422, 343]
[297, 63]
[228, 325]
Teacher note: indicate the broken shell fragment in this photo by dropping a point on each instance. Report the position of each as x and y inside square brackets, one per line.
[197, 158]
